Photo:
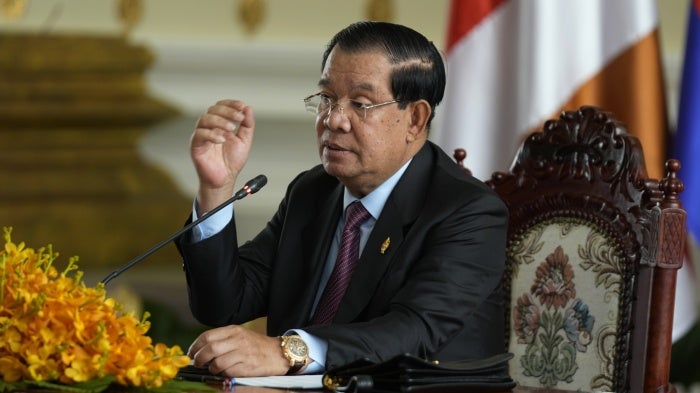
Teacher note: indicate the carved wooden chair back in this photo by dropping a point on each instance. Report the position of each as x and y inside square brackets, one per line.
[593, 250]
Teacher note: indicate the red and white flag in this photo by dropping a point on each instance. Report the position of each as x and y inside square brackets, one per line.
[513, 64]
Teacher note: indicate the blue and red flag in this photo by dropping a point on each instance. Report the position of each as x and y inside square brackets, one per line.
[687, 140]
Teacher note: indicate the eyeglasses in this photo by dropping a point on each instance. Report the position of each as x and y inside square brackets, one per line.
[321, 103]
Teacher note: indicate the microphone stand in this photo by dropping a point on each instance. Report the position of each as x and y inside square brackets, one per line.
[251, 187]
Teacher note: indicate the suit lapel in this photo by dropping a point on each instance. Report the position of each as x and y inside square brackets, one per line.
[316, 238]
[399, 213]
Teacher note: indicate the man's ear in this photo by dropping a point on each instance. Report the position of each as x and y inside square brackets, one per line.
[420, 113]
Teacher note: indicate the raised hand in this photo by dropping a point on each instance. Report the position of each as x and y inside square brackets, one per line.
[219, 148]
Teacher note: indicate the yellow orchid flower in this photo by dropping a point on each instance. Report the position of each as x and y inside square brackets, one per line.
[55, 328]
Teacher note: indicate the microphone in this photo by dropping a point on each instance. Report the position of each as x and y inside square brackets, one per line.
[251, 187]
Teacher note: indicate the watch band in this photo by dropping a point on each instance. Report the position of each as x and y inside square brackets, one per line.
[295, 368]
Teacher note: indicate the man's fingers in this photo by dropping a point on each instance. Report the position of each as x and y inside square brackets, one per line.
[235, 104]
[213, 344]
[223, 120]
[229, 364]
[200, 342]
[246, 117]
[211, 354]
[202, 136]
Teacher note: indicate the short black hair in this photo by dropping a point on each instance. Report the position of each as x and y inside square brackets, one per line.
[419, 72]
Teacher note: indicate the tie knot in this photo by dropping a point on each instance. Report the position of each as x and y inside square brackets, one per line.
[355, 214]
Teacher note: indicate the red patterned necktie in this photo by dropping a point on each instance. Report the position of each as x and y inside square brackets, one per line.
[348, 255]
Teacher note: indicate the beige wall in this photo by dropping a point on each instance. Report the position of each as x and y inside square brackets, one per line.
[204, 52]
[210, 36]
[285, 21]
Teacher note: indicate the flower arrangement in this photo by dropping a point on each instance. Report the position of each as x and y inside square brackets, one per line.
[56, 331]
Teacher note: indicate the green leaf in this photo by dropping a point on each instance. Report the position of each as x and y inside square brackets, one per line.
[101, 384]
[11, 386]
[92, 386]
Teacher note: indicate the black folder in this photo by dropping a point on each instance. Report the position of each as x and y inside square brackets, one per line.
[409, 373]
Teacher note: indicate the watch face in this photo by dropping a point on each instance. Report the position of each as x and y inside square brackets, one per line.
[297, 347]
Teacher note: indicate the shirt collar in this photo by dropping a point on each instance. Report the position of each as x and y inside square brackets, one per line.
[375, 200]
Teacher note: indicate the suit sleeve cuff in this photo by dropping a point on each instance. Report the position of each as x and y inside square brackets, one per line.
[212, 225]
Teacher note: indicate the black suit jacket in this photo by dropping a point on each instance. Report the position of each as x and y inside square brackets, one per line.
[433, 292]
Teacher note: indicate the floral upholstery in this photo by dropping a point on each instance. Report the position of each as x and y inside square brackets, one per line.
[592, 254]
[564, 306]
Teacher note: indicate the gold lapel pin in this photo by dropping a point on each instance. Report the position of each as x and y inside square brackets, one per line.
[385, 245]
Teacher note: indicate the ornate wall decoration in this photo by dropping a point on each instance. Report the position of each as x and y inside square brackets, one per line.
[13, 9]
[129, 13]
[251, 13]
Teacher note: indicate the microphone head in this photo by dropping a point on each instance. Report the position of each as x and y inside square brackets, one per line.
[251, 187]
[256, 184]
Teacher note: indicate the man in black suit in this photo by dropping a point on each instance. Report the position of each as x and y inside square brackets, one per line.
[432, 250]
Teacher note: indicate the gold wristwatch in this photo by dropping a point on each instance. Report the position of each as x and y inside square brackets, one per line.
[295, 350]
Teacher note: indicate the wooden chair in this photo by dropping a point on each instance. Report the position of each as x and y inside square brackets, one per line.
[593, 251]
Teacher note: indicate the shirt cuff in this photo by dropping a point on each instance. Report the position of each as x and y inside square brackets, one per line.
[317, 351]
[212, 225]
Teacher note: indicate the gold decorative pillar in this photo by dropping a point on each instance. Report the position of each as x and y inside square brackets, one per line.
[72, 109]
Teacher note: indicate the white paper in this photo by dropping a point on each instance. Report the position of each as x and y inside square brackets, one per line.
[310, 381]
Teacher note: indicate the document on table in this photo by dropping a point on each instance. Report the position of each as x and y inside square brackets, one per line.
[311, 381]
